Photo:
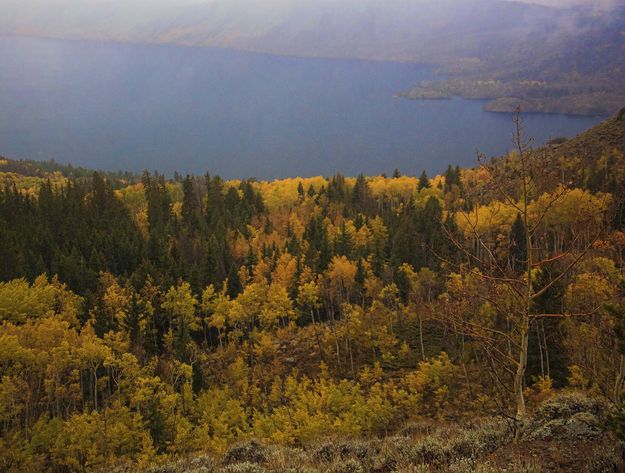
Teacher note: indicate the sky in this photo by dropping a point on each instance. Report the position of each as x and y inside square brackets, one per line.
[594, 3]
[6, 6]
[559, 3]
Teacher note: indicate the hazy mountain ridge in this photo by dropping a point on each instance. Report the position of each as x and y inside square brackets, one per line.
[578, 49]
[404, 30]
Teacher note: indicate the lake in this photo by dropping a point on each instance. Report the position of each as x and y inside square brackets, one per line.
[169, 108]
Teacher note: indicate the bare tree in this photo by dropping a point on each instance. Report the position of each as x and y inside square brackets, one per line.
[530, 182]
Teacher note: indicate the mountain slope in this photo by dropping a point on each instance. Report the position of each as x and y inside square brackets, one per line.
[602, 139]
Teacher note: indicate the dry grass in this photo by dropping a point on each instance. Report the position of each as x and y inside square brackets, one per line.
[564, 433]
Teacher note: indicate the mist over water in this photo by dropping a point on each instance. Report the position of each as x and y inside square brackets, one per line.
[131, 107]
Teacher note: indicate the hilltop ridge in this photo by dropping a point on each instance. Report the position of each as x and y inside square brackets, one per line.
[605, 137]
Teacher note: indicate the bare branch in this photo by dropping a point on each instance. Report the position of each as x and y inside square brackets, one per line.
[564, 315]
[571, 265]
[551, 203]
[482, 244]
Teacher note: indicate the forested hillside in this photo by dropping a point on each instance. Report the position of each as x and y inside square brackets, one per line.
[472, 321]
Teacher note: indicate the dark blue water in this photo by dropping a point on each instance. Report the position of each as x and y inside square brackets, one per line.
[132, 107]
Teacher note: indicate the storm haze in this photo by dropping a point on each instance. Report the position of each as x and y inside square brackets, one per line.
[405, 30]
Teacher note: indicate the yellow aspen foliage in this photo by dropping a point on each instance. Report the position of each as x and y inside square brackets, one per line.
[308, 296]
[362, 237]
[285, 272]
[239, 246]
[209, 299]
[222, 419]
[277, 307]
[115, 298]
[176, 209]
[20, 301]
[432, 382]
[266, 347]
[576, 378]
[180, 301]
[307, 275]
[341, 275]
[541, 390]
[221, 307]
[588, 293]
[262, 272]
[244, 275]
[283, 192]
[247, 306]
[371, 375]
[576, 207]
[378, 229]
[296, 225]
[238, 375]
[95, 439]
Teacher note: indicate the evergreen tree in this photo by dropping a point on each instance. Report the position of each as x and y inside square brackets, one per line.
[159, 214]
[191, 210]
[318, 254]
[433, 234]
[234, 283]
[343, 244]
[361, 197]
[424, 182]
[337, 189]
[452, 178]
[132, 320]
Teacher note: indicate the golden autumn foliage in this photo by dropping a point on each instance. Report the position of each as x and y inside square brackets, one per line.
[295, 310]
